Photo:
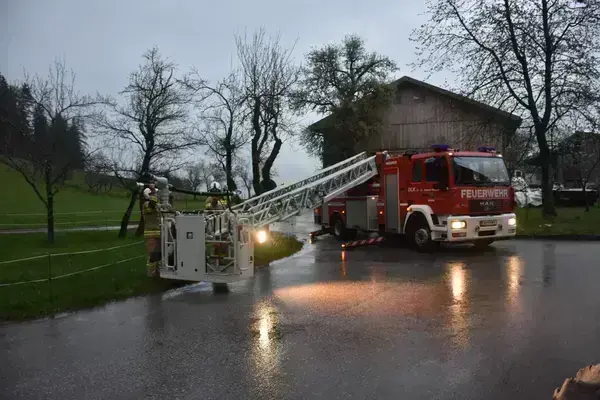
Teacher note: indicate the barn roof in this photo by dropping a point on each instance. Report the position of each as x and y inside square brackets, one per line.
[511, 119]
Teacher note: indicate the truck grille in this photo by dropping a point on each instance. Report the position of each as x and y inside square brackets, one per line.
[485, 205]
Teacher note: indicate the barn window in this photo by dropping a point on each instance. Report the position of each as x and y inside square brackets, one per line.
[418, 98]
[398, 97]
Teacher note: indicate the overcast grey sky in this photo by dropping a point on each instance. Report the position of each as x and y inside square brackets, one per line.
[102, 41]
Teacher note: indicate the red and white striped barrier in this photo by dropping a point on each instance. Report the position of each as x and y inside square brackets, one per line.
[320, 232]
[365, 242]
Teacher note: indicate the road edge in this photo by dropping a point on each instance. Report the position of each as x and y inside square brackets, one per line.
[587, 238]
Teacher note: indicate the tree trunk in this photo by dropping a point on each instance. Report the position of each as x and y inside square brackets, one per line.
[140, 229]
[548, 209]
[143, 172]
[127, 215]
[266, 169]
[255, 147]
[49, 204]
[50, 216]
[231, 185]
[256, 175]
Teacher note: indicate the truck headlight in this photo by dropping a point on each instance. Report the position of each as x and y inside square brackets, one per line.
[458, 224]
[261, 236]
[512, 221]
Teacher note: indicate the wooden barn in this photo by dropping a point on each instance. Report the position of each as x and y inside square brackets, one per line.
[422, 114]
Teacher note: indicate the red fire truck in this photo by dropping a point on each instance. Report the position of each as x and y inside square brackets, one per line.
[440, 195]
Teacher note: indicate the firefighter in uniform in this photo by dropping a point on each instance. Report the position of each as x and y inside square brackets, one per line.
[152, 229]
[214, 202]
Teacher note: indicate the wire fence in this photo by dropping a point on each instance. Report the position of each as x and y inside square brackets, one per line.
[95, 218]
[95, 222]
[74, 219]
[64, 270]
[63, 213]
[50, 280]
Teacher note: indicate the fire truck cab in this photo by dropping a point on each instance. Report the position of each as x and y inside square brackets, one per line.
[442, 195]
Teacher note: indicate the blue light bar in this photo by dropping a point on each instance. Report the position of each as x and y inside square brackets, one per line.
[440, 147]
[485, 149]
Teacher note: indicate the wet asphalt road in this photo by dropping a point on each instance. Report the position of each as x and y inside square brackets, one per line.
[378, 323]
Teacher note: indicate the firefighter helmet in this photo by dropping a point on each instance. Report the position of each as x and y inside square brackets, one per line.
[215, 187]
[148, 192]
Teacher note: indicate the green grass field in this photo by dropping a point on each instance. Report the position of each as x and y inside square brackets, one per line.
[74, 204]
[277, 247]
[112, 281]
[570, 221]
[121, 271]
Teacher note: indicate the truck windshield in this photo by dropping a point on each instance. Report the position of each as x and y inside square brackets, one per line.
[480, 171]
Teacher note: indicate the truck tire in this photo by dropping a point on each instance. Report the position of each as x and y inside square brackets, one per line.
[340, 232]
[338, 229]
[419, 234]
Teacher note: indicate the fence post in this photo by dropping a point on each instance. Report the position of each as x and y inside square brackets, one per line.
[50, 279]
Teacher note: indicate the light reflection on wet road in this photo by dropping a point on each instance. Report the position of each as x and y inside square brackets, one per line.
[511, 322]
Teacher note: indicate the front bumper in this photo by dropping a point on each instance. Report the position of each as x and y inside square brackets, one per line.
[491, 227]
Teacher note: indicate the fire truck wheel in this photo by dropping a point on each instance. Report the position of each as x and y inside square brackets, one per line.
[338, 229]
[340, 232]
[420, 235]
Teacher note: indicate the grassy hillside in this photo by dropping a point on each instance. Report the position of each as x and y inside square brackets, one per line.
[74, 204]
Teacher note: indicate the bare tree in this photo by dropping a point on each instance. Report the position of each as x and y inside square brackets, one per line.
[208, 172]
[519, 148]
[153, 124]
[538, 56]
[98, 174]
[193, 176]
[56, 110]
[349, 83]
[268, 76]
[204, 173]
[243, 172]
[222, 117]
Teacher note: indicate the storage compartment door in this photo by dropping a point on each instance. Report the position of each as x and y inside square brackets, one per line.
[191, 259]
[372, 213]
[391, 203]
[356, 214]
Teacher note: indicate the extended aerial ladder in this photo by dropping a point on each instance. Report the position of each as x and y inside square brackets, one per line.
[218, 246]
